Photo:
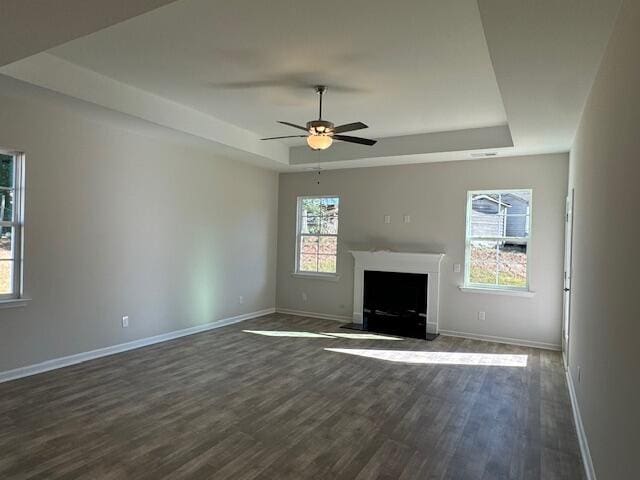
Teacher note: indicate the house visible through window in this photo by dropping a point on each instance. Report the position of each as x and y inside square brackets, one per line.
[10, 225]
[317, 239]
[498, 230]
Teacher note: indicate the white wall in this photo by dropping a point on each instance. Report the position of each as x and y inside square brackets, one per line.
[605, 328]
[117, 223]
[435, 196]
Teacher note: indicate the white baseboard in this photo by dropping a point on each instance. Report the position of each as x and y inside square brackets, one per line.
[123, 347]
[582, 436]
[507, 340]
[323, 316]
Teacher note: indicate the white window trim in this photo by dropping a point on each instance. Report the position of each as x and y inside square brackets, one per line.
[313, 275]
[14, 303]
[16, 298]
[498, 291]
[332, 277]
[470, 287]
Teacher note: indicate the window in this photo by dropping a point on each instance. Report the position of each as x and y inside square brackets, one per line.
[317, 235]
[498, 230]
[10, 225]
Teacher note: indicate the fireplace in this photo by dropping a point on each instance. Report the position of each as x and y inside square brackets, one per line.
[395, 303]
[374, 265]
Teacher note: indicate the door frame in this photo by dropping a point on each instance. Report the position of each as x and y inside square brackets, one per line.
[567, 275]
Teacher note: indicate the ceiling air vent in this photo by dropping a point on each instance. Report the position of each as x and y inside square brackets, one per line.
[484, 154]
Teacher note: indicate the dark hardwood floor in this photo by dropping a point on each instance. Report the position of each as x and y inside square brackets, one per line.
[228, 404]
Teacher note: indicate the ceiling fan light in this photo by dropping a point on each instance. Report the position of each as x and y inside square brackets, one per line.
[319, 142]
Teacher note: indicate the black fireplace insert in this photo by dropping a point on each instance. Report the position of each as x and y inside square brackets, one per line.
[396, 303]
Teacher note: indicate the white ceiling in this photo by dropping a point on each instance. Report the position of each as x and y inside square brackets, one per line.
[546, 54]
[29, 27]
[434, 80]
[420, 68]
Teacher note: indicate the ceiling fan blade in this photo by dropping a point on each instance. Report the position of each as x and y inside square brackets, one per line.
[350, 139]
[286, 136]
[350, 127]
[294, 125]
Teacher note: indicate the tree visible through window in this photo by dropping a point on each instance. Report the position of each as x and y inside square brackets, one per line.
[317, 239]
[10, 225]
[498, 229]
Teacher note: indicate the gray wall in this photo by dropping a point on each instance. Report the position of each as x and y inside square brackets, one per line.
[117, 223]
[435, 196]
[605, 329]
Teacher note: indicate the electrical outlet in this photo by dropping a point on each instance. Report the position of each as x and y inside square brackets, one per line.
[240, 299]
[387, 219]
[304, 296]
[456, 268]
[125, 321]
[481, 316]
[407, 219]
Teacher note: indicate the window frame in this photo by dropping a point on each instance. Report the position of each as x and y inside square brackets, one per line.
[523, 240]
[299, 235]
[17, 224]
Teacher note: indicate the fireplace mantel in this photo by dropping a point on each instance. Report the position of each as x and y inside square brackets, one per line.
[405, 262]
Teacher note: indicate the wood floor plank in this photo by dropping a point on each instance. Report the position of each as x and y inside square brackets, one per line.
[235, 404]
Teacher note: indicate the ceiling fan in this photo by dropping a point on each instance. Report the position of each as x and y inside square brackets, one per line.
[322, 133]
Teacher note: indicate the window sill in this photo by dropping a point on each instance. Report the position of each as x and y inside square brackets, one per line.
[496, 291]
[330, 277]
[14, 303]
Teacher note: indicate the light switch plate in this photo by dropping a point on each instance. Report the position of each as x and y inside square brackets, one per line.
[387, 219]
[456, 268]
[407, 219]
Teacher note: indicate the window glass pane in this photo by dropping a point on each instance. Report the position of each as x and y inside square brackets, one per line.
[517, 226]
[501, 226]
[6, 277]
[309, 244]
[328, 245]
[505, 217]
[310, 225]
[512, 270]
[329, 225]
[517, 203]
[7, 164]
[6, 205]
[308, 262]
[330, 206]
[488, 225]
[311, 207]
[483, 267]
[327, 263]
[485, 203]
[317, 234]
[6, 243]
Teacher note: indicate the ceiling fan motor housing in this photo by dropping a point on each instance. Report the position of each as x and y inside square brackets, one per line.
[320, 127]
[322, 133]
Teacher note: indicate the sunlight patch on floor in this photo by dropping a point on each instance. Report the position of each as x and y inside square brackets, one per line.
[283, 333]
[438, 358]
[301, 334]
[361, 336]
